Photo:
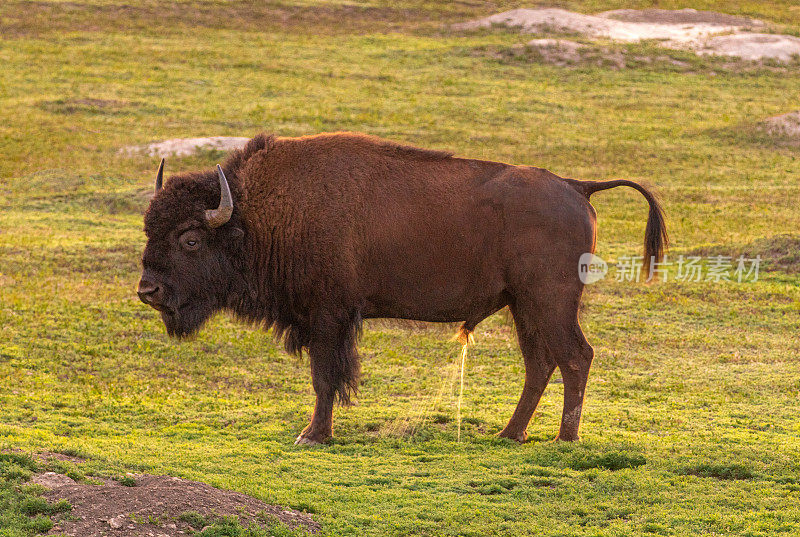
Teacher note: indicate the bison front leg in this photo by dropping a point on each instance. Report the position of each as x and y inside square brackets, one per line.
[321, 427]
[334, 371]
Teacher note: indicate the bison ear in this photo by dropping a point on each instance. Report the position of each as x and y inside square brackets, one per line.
[237, 233]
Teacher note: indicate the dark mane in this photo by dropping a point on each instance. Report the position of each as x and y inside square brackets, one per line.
[237, 158]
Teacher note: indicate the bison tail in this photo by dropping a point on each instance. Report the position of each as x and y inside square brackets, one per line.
[655, 234]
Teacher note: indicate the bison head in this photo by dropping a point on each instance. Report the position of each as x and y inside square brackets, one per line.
[193, 247]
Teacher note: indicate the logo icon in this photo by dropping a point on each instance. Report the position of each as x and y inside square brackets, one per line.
[591, 268]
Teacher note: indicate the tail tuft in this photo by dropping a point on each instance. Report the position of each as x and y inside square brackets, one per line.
[656, 239]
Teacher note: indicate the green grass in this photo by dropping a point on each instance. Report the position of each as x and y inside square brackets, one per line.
[22, 511]
[267, 526]
[690, 423]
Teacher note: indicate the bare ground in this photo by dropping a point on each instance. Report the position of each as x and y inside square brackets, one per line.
[679, 16]
[705, 32]
[186, 146]
[752, 46]
[50, 455]
[573, 54]
[153, 506]
[784, 125]
[570, 54]
[557, 51]
[679, 26]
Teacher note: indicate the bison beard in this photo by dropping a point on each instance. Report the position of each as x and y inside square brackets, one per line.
[311, 235]
[184, 322]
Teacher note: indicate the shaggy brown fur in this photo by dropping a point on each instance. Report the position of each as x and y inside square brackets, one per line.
[330, 229]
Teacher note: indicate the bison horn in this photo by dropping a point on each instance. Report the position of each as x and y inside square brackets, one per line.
[160, 176]
[220, 215]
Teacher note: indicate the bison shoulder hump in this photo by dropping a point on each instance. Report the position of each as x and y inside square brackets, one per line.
[413, 152]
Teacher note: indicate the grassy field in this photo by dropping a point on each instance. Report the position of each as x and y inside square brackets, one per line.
[691, 418]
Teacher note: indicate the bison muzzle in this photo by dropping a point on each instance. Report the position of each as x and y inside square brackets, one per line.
[311, 235]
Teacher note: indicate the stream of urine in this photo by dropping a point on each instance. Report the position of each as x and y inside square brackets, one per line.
[467, 339]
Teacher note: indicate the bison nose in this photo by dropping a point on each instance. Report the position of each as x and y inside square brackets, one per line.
[149, 292]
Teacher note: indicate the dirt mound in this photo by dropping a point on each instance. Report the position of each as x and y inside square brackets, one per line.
[181, 147]
[784, 125]
[565, 45]
[679, 16]
[679, 29]
[752, 46]
[557, 51]
[604, 25]
[153, 507]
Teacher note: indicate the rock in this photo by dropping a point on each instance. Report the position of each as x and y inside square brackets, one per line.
[117, 522]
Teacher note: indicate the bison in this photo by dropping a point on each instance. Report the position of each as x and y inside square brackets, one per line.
[311, 235]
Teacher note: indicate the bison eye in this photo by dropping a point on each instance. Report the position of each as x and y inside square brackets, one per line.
[190, 240]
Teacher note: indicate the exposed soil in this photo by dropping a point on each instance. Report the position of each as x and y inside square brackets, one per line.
[566, 53]
[747, 46]
[48, 455]
[557, 51]
[700, 31]
[784, 125]
[649, 24]
[52, 480]
[152, 507]
[182, 147]
[679, 16]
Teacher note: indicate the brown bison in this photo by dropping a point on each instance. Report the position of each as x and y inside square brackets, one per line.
[311, 235]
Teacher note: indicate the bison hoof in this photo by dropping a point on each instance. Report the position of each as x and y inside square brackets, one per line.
[560, 438]
[308, 441]
[520, 437]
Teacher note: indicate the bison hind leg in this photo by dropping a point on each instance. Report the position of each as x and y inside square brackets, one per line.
[550, 335]
[539, 366]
